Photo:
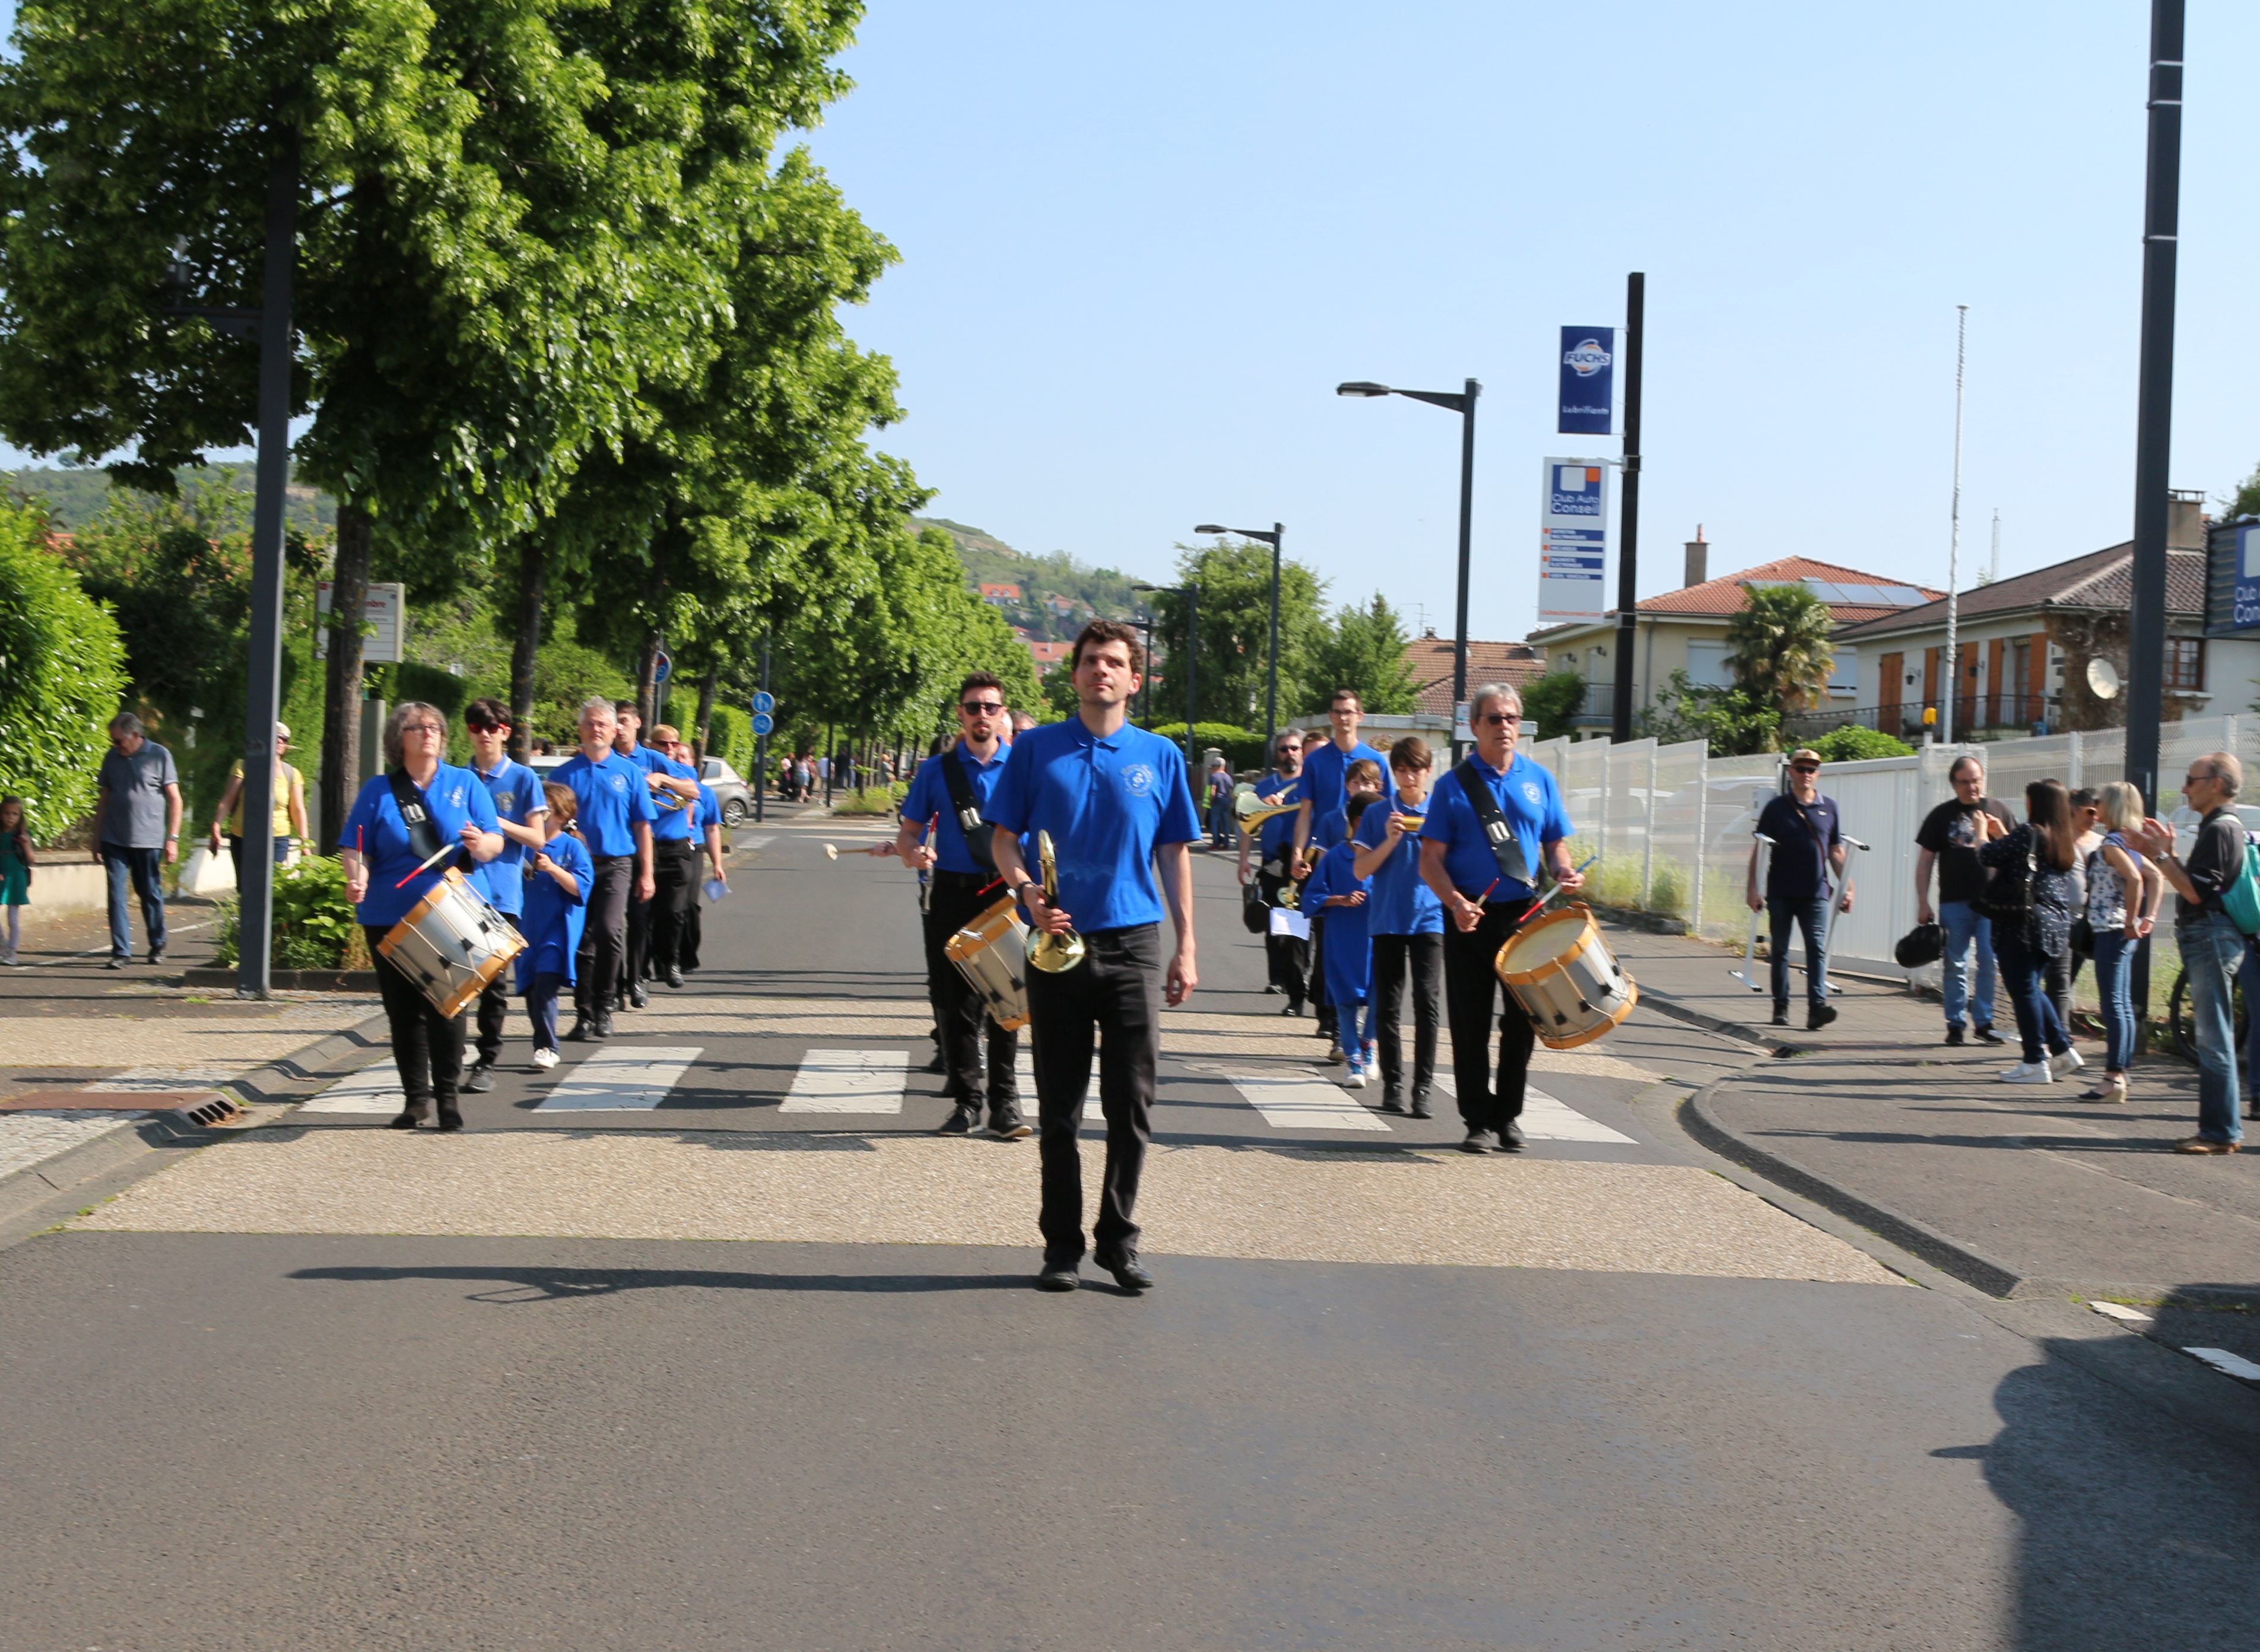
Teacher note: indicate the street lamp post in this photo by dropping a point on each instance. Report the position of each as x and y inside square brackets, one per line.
[270, 326]
[1146, 688]
[1271, 695]
[1461, 402]
[1192, 650]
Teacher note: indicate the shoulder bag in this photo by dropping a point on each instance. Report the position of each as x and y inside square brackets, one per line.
[1506, 848]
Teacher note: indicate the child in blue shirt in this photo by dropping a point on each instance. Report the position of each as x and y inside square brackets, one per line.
[558, 878]
[1335, 889]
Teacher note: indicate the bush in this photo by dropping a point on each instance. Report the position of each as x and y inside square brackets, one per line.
[730, 737]
[1242, 747]
[1851, 744]
[315, 925]
[62, 673]
[872, 800]
[1551, 702]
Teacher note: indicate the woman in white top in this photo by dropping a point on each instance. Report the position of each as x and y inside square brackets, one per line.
[2123, 892]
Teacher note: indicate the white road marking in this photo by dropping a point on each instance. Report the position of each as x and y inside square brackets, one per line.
[2124, 1315]
[859, 1081]
[622, 1078]
[374, 1089]
[756, 842]
[2228, 1365]
[1547, 1119]
[1292, 1101]
[140, 1078]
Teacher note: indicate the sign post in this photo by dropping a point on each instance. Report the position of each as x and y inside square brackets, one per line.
[1573, 539]
[764, 720]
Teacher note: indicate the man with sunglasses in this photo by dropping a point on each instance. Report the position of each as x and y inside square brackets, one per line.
[1486, 871]
[521, 814]
[961, 879]
[1807, 851]
[1268, 855]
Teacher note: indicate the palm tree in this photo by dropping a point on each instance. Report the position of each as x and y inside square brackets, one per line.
[1779, 649]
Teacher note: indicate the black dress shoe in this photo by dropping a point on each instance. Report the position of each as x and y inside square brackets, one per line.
[1392, 1104]
[1986, 1034]
[479, 1080]
[1128, 1273]
[1421, 1108]
[580, 1033]
[449, 1119]
[1954, 1037]
[1510, 1137]
[1818, 1016]
[602, 1026]
[637, 997]
[674, 976]
[408, 1121]
[962, 1120]
[1059, 1276]
[1480, 1141]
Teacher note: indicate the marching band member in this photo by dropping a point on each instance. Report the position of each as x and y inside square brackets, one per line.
[519, 806]
[706, 829]
[558, 877]
[1266, 852]
[1326, 766]
[1361, 781]
[401, 820]
[1489, 822]
[673, 855]
[952, 787]
[1335, 889]
[1407, 925]
[615, 816]
[1115, 801]
[662, 781]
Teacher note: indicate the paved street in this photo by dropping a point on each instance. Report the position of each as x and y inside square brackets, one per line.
[704, 1341]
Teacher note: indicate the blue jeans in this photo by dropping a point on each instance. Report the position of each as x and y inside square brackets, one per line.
[2038, 1025]
[2211, 948]
[145, 868]
[2115, 988]
[1963, 924]
[1354, 1026]
[1811, 916]
[541, 1007]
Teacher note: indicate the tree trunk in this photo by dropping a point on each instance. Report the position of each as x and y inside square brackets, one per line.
[706, 685]
[531, 570]
[341, 695]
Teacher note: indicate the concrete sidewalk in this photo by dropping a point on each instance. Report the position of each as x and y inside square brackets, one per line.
[2021, 1191]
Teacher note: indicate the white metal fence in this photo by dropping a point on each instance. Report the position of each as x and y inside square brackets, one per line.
[1673, 824]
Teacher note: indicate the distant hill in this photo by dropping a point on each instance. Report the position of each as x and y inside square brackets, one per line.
[75, 498]
[1057, 593]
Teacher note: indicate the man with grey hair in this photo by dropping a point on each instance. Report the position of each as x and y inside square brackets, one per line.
[1492, 824]
[137, 832]
[613, 815]
[2212, 946]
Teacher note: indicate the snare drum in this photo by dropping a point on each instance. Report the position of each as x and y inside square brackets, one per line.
[451, 944]
[1567, 981]
[991, 952]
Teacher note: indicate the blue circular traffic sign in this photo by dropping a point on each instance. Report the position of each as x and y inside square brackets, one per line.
[763, 723]
[764, 702]
[662, 670]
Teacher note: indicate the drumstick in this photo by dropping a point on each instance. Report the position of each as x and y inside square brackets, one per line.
[1539, 904]
[445, 849]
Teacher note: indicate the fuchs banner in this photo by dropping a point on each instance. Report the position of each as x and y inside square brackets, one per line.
[1589, 381]
[1573, 541]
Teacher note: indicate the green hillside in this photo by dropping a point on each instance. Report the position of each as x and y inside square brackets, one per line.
[75, 498]
[1057, 592]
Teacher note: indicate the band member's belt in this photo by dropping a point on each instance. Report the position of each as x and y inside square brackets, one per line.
[946, 879]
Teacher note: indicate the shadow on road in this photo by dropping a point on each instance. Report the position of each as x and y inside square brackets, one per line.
[554, 1284]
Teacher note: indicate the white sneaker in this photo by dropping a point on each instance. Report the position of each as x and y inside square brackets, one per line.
[1355, 1079]
[2069, 1061]
[544, 1060]
[2028, 1072]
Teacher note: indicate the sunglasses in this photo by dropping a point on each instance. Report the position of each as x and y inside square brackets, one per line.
[1499, 719]
[980, 708]
[1805, 769]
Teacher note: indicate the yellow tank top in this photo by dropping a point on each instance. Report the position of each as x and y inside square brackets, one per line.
[285, 776]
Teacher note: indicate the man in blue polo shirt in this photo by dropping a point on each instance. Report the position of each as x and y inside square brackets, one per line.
[1486, 890]
[1266, 852]
[668, 783]
[519, 815]
[961, 871]
[1113, 800]
[613, 818]
[1325, 767]
[674, 856]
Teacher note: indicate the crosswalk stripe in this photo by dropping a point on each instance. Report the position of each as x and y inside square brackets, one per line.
[1546, 1119]
[374, 1089]
[1298, 1102]
[623, 1078]
[859, 1081]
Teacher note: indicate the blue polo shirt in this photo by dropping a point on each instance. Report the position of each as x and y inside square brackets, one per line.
[1325, 766]
[929, 796]
[516, 791]
[375, 829]
[552, 921]
[1531, 804]
[710, 810]
[610, 797]
[672, 814]
[1277, 835]
[1330, 828]
[1350, 945]
[1401, 903]
[1108, 804]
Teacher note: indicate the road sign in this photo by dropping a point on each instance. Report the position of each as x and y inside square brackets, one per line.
[763, 722]
[385, 610]
[764, 702]
[662, 670]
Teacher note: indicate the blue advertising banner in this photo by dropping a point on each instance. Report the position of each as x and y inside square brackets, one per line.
[2248, 577]
[1589, 381]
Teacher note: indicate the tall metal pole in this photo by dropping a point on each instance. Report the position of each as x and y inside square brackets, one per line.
[1954, 540]
[1271, 697]
[254, 899]
[1467, 544]
[1192, 653]
[1628, 554]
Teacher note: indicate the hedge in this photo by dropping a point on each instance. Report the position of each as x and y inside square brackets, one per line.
[1242, 747]
[62, 674]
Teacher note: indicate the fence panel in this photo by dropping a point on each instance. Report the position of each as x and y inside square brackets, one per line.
[1880, 803]
[1676, 832]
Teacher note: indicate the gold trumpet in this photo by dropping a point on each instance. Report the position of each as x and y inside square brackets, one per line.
[1052, 954]
[1253, 810]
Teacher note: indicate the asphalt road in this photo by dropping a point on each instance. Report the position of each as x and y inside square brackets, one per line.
[251, 1440]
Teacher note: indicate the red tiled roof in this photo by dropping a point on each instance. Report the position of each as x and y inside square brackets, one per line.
[1728, 594]
[1431, 659]
[2101, 580]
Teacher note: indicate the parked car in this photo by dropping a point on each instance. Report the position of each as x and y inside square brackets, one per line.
[730, 788]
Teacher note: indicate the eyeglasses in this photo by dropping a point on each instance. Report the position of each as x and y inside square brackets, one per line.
[1805, 769]
[1499, 719]
[422, 728]
[980, 708]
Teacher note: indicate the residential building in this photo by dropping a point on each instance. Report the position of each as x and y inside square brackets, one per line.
[1430, 657]
[1045, 655]
[1003, 596]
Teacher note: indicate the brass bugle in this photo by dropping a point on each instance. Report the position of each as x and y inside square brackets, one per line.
[1291, 897]
[1253, 810]
[1049, 952]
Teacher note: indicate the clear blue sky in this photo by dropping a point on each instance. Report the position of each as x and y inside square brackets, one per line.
[1141, 244]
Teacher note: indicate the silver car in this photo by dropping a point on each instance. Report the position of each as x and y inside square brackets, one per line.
[731, 792]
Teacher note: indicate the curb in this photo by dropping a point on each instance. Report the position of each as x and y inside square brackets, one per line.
[1948, 1255]
[289, 980]
[1664, 1004]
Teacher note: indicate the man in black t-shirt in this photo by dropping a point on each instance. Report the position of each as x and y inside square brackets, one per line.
[1950, 839]
[1807, 854]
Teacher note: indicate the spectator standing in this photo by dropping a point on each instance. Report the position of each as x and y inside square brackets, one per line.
[2123, 891]
[2032, 867]
[137, 832]
[2211, 944]
[1809, 848]
[288, 823]
[16, 863]
[1219, 804]
[1950, 839]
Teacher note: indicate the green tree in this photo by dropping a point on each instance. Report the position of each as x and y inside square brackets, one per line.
[1550, 703]
[1231, 675]
[1733, 720]
[1365, 648]
[2247, 500]
[1059, 693]
[62, 673]
[1778, 647]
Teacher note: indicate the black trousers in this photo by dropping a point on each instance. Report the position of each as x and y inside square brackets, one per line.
[427, 1046]
[1288, 957]
[604, 943]
[636, 941]
[958, 1011]
[1394, 957]
[674, 886]
[1113, 996]
[493, 1007]
[1473, 997]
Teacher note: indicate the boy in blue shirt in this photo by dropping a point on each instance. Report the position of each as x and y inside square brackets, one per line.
[1406, 922]
[557, 879]
[518, 806]
[1335, 889]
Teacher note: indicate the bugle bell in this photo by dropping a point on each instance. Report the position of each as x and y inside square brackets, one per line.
[1049, 952]
[1252, 811]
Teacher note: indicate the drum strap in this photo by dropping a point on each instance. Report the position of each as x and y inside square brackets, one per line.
[423, 836]
[1505, 848]
[968, 812]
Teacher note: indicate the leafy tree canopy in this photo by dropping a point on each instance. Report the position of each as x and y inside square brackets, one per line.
[1778, 645]
[1735, 721]
[62, 673]
[1551, 702]
[1232, 579]
[1364, 649]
